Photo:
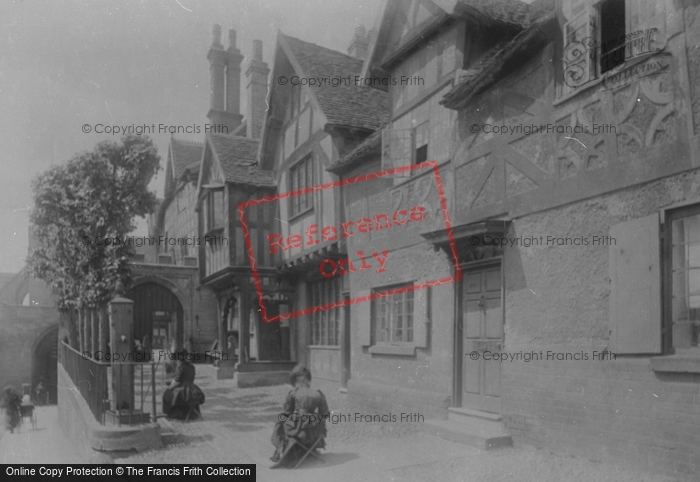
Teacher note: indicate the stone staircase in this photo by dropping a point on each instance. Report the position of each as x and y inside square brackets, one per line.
[478, 429]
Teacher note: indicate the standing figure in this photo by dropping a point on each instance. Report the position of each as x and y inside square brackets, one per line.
[12, 403]
[303, 420]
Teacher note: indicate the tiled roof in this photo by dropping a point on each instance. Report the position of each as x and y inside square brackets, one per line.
[344, 105]
[185, 155]
[238, 157]
[540, 8]
[500, 56]
[509, 12]
[371, 145]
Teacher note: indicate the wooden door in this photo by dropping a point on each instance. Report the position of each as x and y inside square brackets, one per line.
[482, 328]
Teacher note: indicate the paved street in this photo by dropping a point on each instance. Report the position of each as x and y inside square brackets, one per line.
[237, 426]
[45, 445]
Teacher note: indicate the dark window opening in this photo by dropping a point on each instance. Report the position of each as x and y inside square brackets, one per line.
[422, 154]
[612, 34]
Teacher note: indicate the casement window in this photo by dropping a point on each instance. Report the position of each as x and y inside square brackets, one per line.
[404, 147]
[393, 317]
[605, 34]
[301, 177]
[655, 299]
[325, 323]
[214, 209]
[683, 228]
[395, 322]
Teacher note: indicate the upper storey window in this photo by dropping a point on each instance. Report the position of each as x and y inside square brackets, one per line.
[600, 37]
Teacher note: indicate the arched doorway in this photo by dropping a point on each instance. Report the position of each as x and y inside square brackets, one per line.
[44, 366]
[158, 316]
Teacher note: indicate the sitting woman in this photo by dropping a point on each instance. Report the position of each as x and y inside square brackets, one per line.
[183, 397]
[11, 403]
[303, 421]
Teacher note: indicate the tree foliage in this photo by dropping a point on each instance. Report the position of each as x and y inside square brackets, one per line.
[94, 197]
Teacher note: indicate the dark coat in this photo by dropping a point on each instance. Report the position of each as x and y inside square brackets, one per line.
[184, 394]
[12, 404]
[303, 421]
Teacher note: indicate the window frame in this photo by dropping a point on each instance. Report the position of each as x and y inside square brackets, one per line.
[408, 327]
[670, 215]
[210, 208]
[635, 11]
[324, 325]
[301, 203]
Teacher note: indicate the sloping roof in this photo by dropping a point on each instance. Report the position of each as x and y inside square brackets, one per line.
[238, 158]
[345, 105]
[371, 145]
[185, 155]
[502, 56]
[512, 13]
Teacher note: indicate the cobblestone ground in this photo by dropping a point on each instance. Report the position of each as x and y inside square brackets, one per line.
[237, 424]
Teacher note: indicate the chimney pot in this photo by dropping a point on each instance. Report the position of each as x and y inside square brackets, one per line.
[216, 35]
[231, 39]
[360, 42]
[257, 49]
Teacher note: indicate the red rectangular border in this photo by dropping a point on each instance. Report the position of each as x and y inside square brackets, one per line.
[365, 177]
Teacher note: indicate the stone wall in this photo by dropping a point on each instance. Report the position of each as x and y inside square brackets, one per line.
[557, 299]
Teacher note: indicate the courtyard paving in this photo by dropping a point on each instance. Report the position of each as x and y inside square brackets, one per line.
[237, 425]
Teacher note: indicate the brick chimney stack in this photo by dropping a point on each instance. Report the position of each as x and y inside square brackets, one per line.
[233, 75]
[217, 64]
[360, 43]
[256, 74]
[225, 71]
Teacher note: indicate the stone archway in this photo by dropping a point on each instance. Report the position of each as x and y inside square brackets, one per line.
[158, 314]
[44, 365]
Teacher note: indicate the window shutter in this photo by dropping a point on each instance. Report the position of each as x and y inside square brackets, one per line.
[578, 50]
[635, 287]
[421, 321]
[361, 313]
[644, 15]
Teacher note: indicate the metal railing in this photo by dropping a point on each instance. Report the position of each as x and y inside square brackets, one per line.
[89, 376]
[112, 406]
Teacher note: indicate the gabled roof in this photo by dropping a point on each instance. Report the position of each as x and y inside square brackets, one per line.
[509, 16]
[346, 105]
[504, 56]
[370, 146]
[185, 155]
[513, 13]
[237, 157]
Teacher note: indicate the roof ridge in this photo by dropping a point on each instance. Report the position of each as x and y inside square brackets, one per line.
[187, 141]
[321, 47]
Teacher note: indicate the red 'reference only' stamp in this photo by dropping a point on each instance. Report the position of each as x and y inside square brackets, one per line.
[331, 267]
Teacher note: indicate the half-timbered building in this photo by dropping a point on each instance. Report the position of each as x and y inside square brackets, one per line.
[308, 127]
[570, 178]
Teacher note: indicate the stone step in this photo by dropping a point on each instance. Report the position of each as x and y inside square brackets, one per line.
[458, 414]
[473, 431]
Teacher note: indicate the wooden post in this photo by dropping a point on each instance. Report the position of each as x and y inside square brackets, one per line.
[154, 417]
[95, 322]
[121, 317]
[104, 328]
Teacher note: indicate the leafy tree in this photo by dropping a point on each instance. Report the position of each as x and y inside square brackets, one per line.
[77, 208]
